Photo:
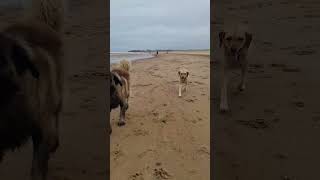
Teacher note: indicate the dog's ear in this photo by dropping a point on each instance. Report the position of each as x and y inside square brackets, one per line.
[187, 73]
[222, 35]
[116, 78]
[179, 72]
[22, 61]
[247, 40]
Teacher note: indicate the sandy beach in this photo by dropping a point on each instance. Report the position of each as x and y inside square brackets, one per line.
[82, 154]
[166, 137]
[271, 133]
[273, 128]
[193, 52]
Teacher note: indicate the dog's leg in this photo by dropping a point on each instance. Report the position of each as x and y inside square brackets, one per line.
[180, 89]
[224, 107]
[57, 129]
[242, 85]
[123, 109]
[51, 134]
[45, 141]
[110, 127]
[1, 156]
[40, 158]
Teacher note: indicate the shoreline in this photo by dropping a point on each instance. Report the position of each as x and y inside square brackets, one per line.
[161, 54]
[132, 61]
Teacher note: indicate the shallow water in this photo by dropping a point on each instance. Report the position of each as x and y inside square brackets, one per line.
[115, 57]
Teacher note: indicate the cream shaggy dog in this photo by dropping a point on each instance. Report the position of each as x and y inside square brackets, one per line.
[183, 74]
[235, 41]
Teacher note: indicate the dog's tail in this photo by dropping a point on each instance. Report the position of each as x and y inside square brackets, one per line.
[50, 12]
[125, 65]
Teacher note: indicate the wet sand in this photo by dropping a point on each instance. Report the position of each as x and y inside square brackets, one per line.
[273, 128]
[193, 52]
[166, 137]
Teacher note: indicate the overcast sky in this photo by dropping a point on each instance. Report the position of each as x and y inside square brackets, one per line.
[159, 24]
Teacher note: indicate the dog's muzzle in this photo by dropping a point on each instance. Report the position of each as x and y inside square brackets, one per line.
[233, 50]
[183, 78]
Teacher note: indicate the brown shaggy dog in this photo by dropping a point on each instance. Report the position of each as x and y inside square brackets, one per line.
[115, 100]
[123, 91]
[31, 78]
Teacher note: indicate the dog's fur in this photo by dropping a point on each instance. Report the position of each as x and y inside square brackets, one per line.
[31, 77]
[183, 80]
[115, 100]
[235, 42]
[122, 91]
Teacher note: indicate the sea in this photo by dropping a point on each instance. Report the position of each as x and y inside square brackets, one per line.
[115, 57]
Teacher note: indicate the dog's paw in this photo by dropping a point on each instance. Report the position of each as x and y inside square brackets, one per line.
[224, 109]
[242, 87]
[53, 143]
[121, 123]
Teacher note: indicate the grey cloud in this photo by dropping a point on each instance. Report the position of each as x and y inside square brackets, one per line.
[175, 24]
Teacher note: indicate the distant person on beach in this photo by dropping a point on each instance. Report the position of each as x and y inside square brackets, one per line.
[157, 53]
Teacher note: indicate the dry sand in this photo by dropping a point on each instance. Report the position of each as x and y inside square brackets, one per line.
[272, 131]
[165, 136]
[82, 154]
